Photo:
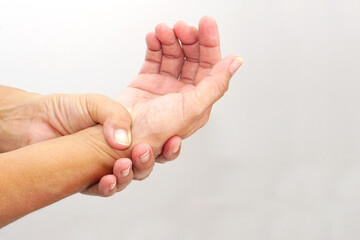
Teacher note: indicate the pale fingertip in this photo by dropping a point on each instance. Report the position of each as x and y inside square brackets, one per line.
[161, 26]
[181, 21]
[150, 34]
[122, 137]
[145, 157]
[112, 186]
[235, 64]
[126, 172]
[176, 148]
[208, 17]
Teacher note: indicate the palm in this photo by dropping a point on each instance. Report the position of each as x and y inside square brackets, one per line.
[165, 99]
[160, 102]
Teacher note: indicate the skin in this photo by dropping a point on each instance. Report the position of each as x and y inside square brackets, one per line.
[173, 96]
[161, 103]
[27, 118]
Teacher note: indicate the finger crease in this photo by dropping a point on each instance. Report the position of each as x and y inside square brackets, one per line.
[205, 64]
[166, 72]
[153, 50]
[209, 46]
[187, 79]
[170, 44]
[191, 59]
[153, 61]
[172, 57]
[189, 44]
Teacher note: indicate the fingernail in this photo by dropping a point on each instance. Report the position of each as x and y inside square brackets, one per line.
[126, 172]
[145, 157]
[235, 64]
[177, 148]
[112, 186]
[121, 137]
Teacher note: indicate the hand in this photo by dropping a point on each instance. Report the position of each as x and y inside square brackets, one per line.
[139, 167]
[172, 95]
[37, 118]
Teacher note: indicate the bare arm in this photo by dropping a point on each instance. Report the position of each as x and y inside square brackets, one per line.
[41, 174]
[27, 118]
[161, 110]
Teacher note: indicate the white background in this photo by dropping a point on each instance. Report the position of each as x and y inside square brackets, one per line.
[280, 157]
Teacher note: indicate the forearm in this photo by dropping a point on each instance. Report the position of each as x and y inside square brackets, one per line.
[40, 174]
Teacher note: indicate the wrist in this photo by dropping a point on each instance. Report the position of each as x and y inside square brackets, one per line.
[15, 119]
[95, 140]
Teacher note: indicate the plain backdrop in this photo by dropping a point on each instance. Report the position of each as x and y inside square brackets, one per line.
[280, 157]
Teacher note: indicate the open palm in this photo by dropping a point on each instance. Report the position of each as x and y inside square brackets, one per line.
[178, 82]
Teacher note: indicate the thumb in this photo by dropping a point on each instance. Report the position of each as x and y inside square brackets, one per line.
[113, 116]
[214, 86]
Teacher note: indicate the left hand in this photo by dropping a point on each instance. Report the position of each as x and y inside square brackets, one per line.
[38, 118]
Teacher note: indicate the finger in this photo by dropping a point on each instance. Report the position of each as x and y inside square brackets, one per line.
[171, 150]
[173, 57]
[209, 41]
[123, 171]
[105, 188]
[153, 55]
[112, 183]
[189, 38]
[214, 86]
[143, 161]
[114, 117]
